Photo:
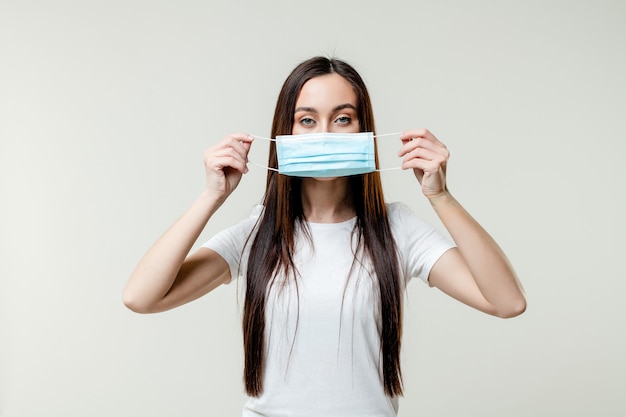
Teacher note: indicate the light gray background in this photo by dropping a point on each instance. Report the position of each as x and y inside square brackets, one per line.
[107, 106]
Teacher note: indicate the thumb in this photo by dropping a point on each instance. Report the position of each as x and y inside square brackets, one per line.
[419, 174]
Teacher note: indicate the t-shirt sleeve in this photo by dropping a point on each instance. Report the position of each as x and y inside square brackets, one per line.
[419, 244]
[233, 243]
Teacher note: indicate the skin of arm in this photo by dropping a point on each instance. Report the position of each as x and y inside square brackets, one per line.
[476, 272]
[167, 276]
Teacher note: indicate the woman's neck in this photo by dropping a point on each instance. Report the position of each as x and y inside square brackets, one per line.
[326, 200]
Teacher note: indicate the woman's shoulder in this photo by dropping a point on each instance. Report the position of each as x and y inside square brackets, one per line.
[252, 220]
[236, 235]
[256, 211]
[399, 210]
[403, 219]
[244, 226]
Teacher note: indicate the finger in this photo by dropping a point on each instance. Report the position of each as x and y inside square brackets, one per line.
[237, 142]
[412, 144]
[423, 153]
[240, 141]
[413, 133]
[242, 137]
[225, 162]
[420, 133]
[422, 148]
[224, 157]
[422, 165]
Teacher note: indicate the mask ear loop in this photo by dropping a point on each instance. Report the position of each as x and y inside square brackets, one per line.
[381, 136]
[276, 170]
[260, 165]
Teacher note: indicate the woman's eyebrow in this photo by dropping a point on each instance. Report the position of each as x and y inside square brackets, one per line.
[306, 109]
[344, 106]
[337, 108]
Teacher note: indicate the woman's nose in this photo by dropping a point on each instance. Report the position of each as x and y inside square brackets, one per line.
[323, 128]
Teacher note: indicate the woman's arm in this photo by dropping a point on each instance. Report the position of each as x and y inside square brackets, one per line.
[476, 272]
[166, 276]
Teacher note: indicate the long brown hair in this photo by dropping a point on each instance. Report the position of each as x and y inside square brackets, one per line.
[272, 249]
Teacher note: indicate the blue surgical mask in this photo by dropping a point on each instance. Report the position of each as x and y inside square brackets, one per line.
[325, 154]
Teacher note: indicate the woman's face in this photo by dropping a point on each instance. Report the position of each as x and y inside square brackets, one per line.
[326, 104]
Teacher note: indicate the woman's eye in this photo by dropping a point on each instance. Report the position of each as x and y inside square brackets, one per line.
[344, 120]
[307, 121]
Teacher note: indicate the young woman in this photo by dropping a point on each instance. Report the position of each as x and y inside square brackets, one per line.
[325, 259]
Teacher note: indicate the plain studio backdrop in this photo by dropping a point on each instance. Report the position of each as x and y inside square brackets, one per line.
[106, 108]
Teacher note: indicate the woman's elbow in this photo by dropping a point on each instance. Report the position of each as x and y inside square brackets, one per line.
[512, 309]
[135, 304]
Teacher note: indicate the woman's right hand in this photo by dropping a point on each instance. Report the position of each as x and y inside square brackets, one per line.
[225, 163]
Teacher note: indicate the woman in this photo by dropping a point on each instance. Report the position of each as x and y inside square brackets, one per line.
[325, 260]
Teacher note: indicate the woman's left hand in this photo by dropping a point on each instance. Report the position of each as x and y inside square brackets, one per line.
[428, 157]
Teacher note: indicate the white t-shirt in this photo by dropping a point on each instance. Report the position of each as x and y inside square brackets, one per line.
[322, 335]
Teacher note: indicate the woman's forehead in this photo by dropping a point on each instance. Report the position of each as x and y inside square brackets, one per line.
[326, 92]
